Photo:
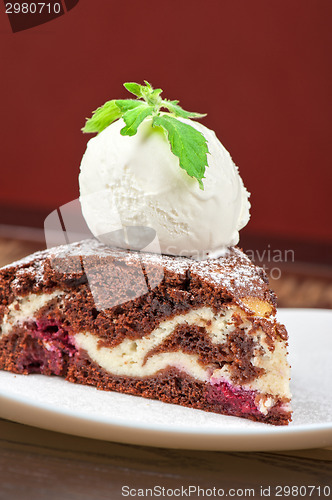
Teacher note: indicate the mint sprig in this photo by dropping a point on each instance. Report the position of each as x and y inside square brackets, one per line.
[187, 143]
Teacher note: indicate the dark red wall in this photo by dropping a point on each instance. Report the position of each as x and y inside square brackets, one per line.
[261, 69]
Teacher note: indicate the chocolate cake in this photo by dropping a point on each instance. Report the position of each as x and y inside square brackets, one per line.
[201, 334]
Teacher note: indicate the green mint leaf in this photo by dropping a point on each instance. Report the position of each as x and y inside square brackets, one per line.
[152, 96]
[127, 104]
[156, 92]
[134, 88]
[134, 117]
[187, 143]
[102, 117]
[148, 85]
[174, 108]
[107, 114]
[145, 92]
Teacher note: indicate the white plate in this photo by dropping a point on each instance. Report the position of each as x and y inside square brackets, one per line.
[55, 404]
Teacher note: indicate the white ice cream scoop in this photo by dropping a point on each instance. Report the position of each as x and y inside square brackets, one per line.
[137, 181]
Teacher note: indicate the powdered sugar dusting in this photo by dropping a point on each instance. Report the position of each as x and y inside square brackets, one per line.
[232, 272]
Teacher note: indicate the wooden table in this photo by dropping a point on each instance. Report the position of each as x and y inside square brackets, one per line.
[38, 464]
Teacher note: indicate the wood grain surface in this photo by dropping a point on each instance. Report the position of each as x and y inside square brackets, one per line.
[38, 464]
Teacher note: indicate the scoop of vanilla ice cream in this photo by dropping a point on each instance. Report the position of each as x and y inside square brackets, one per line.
[137, 181]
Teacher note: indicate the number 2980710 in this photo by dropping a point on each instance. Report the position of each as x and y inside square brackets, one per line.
[33, 8]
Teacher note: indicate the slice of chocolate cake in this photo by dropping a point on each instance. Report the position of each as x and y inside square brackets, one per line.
[201, 334]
